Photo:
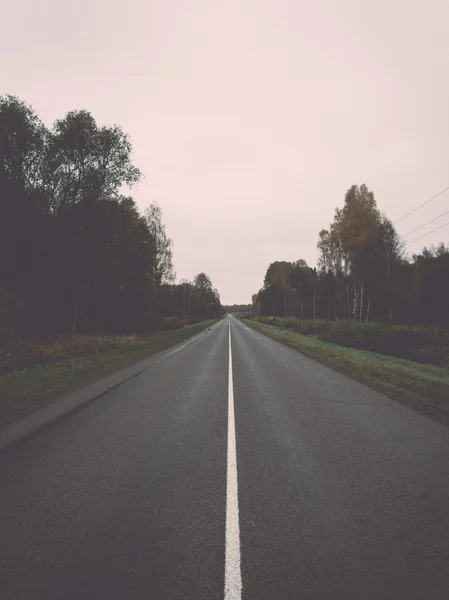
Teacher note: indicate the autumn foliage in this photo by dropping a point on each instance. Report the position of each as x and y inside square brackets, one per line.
[363, 274]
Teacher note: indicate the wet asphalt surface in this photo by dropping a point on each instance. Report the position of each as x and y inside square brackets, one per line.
[343, 493]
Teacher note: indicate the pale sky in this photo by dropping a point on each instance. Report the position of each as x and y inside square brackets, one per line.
[250, 118]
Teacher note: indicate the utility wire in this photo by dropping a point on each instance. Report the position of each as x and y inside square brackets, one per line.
[428, 233]
[423, 204]
[428, 223]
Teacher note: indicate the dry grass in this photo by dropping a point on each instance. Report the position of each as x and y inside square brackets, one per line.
[29, 352]
[25, 353]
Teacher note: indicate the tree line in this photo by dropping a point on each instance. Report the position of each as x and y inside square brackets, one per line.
[239, 309]
[75, 252]
[363, 273]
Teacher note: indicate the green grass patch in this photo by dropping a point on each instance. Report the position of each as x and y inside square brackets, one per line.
[423, 387]
[24, 391]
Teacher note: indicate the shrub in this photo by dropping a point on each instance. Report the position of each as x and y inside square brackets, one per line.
[289, 323]
[267, 320]
[169, 323]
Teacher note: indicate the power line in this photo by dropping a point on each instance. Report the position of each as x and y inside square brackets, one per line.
[428, 223]
[423, 204]
[428, 233]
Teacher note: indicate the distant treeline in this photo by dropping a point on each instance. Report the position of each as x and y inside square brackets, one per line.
[363, 273]
[75, 253]
[239, 309]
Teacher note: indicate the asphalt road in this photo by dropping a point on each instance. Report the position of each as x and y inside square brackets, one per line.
[336, 491]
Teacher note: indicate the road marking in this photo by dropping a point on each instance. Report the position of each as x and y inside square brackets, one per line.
[180, 347]
[233, 575]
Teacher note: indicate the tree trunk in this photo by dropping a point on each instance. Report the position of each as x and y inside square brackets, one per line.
[368, 307]
[361, 295]
[337, 303]
[314, 298]
[390, 308]
[346, 299]
[354, 298]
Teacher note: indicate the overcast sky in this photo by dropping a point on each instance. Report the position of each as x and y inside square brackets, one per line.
[250, 118]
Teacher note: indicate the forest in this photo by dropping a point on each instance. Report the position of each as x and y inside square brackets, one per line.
[76, 254]
[363, 274]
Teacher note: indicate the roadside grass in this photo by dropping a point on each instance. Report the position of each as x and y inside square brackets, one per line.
[429, 345]
[24, 391]
[423, 387]
[18, 352]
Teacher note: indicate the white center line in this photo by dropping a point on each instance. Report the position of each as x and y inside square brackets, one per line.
[233, 575]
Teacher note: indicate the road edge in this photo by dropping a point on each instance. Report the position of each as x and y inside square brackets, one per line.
[22, 428]
[426, 406]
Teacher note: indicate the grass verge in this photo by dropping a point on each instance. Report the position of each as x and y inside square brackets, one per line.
[429, 345]
[422, 387]
[25, 391]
